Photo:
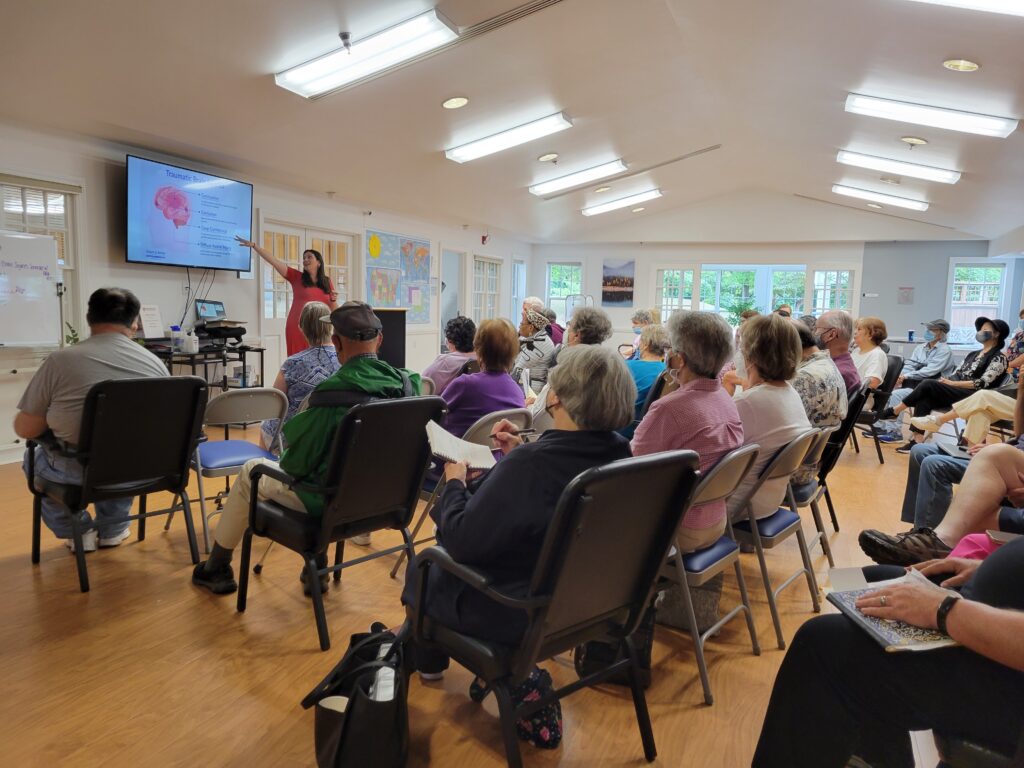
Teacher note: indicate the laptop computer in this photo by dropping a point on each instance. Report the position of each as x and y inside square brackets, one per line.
[209, 309]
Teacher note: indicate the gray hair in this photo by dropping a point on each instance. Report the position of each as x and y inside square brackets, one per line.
[841, 321]
[592, 325]
[595, 387]
[534, 303]
[655, 339]
[704, 339]
[316, 333]
[550, 314]
[642, 316]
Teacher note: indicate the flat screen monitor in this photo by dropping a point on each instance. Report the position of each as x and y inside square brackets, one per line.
[207, 309]
[184, 218]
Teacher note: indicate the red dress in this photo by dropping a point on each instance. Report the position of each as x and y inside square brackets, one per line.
[301, 295]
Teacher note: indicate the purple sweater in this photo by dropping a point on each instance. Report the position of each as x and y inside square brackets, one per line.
[475, 395]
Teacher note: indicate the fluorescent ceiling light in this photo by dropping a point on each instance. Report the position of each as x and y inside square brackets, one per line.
[926, 172]
[510, 138]
[578, 179]
[878, 197]
[920, 114]
[388, 48]
[622, 202]
[1011, 7]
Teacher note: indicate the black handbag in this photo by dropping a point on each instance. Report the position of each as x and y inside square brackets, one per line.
[601, 654]
[362, 715]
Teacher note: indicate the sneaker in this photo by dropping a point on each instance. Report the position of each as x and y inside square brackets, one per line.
[926, 423]
[914, 546]
[907, 447]
[889, 437]
[431, 677]
[115, 540]
[88, 541]
[363, 539]
[220, 582]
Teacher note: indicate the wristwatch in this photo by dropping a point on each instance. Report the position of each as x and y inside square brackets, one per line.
[943, 612]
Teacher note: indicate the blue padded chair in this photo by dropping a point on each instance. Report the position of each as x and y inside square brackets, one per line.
[223, 458]
[697, 568]
[809, 494]
[769, 532]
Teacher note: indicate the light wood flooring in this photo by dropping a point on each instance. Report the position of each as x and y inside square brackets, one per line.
[146, 670]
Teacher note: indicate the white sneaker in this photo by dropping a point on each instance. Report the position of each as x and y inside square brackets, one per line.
[926, 423]
[88, 542]
[363, 539]
[431, 677]
[114, 541]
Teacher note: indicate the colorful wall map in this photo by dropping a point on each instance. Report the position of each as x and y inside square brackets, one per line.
[398, 274]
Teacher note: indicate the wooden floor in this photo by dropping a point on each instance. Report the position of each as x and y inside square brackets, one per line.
[147, 670]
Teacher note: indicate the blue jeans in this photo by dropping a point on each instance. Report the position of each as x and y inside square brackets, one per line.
[110, 515]
[930, 481]
[894, 426]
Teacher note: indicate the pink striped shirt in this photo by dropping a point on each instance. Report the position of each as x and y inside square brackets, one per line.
[699, 416]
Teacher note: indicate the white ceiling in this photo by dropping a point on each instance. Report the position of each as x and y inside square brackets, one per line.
[645, 80]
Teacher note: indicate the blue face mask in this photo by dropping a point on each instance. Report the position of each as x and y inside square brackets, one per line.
[929, 336]
[637, 329]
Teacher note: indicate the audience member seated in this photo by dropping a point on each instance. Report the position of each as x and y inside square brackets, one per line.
[475, 395]
[496, 523]
[869, 358]
[930, 360]
[770, 409]
[833, 332]
[978, 410]
[1015, 348]
[356, 338]
[784, 310]
[734, 372]
[646, 368]
[302, 372]
[981, 369]
[458, 335]
[588, 325]
[554, 330]
[641, 319]
[821, 389]
[55, 398]
[536, 349]
[699, 415]
[809, 321]
[838, 693]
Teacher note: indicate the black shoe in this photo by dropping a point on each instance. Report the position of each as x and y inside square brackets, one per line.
[220, 582]
[886, 414]
[907, 447]
[324, 583]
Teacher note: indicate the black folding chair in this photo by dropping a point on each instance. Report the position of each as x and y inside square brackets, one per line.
[137, 437]
[834, 448]
[594, 579]
[374, 472]
[869, 418]
[470, 366]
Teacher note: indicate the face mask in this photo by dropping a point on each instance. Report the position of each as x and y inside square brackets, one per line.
[819, 341]
[637, 330]
[929, 336]
[548, 408]
[983, 336]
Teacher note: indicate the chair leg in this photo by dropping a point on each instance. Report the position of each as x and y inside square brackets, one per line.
[76, 535]
[419, 524]
[142, 517]
[170, 515]
[243, 571]
[37, 516]
[748, 612]
[826, 547]
[691, 620]
[507, 716]
[202, 511]
[643, 717]
[313, 579]
[339, 558]
[812, 582]
[258, 568]
[190, 528]
[853, 436]
[878, 444]
[773, 609]
[831, 510]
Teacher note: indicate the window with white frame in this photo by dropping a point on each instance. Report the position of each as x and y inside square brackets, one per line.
[978, 289]
[562, 281]
[518, 288]
[673, 289]
[731, 289]
[833, 289]
[486, 284]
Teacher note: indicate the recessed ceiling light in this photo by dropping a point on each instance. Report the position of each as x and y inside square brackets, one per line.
[936, 117]
[638, 209]
[1009, 7]
[875, 205]
[578, 179]
[455, 102]
[961, 65]
[383, 50]
[926, 172]
[510, 138]
[878, 197]
[602, 189]
[548, 157]
[623, 202]
[914, 141]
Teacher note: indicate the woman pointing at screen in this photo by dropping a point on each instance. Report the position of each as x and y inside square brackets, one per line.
[311, 284]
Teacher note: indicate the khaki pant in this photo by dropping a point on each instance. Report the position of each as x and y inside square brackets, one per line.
[981, 409]
[692, 539]
[235, 517]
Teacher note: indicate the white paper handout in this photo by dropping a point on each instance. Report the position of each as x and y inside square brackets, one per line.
[450, 448]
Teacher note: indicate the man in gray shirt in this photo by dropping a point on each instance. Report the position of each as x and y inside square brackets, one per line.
[55, 397]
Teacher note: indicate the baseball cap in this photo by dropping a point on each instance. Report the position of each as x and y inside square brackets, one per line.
[938, 325]
[354, 320]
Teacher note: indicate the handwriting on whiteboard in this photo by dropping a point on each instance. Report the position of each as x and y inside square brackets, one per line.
[21, 266]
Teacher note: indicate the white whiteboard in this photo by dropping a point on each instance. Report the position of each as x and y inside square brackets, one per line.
[29, 306]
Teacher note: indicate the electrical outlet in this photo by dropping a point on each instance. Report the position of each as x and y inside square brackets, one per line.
[184, 290]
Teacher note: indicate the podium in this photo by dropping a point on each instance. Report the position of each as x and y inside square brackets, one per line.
[392, 350]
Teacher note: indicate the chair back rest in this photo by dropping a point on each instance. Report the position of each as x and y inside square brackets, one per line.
[661, 386]
[888, 383]
[626, 351]
[835, 443]
[245, 406]
[722, 480]
[377, 461]
[427, 386]
[140, 432]
[470, 366]
[603, 551]
[480, 431]
[818, 445]
[783, 464]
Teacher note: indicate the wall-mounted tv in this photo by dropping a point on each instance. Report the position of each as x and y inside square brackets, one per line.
[184, 218]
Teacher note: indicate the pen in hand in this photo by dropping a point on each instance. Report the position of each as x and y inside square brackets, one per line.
[516, 433]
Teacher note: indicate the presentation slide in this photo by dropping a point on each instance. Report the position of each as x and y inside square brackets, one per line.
[184, 218]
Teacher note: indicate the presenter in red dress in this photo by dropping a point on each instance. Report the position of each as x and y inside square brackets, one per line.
[311, 284]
